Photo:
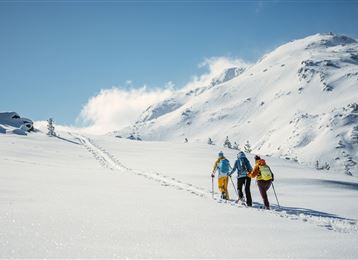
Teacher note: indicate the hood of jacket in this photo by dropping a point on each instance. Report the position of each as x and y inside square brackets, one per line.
[242, 155]
[261, 162]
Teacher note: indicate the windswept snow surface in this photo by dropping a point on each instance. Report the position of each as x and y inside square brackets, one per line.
[89, 196]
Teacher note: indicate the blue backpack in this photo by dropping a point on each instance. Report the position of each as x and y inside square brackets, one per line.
[242, 171]
[224, 166]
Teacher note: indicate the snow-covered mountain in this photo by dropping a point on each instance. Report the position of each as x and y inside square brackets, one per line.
[299, 102]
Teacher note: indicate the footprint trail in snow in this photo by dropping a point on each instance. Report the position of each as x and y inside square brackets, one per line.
[327, 221]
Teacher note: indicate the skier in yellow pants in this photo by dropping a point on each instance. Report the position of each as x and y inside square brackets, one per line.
[222, 165]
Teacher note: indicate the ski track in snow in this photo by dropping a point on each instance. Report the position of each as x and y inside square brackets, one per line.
[322, 219]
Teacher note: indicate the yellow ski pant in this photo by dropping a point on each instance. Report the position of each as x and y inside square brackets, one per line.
[222, 183]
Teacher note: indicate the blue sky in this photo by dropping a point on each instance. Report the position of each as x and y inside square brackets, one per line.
[56, 55]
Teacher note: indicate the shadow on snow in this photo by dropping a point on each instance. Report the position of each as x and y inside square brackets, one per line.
[303, 212]
[64, 139]
[339, 184]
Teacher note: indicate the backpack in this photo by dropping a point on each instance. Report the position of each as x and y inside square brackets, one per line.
[265, 172]
[243, 167]
[224, 166]
[242, 171]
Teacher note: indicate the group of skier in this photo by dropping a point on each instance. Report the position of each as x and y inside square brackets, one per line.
[245, 173]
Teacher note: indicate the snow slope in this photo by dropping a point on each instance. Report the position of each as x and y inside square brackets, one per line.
[80, 196]
[299, 102]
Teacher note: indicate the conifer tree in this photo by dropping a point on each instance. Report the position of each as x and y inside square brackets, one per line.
[326, 166]
[51, 127]
[247, 147]
[210, 141]
[317, 165]
[227, 143]
[236, 146]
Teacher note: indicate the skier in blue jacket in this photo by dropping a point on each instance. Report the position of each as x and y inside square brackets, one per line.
[243, 167]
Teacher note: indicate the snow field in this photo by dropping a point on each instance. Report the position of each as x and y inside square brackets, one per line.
[110, 197]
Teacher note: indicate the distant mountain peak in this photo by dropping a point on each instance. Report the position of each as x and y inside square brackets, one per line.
[227, 75]
[329, 40]
[160, 109]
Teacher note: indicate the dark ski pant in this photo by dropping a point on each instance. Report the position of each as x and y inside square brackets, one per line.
[263, 188]
[245, 181]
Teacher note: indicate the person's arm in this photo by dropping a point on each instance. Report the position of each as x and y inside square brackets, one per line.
[215, 166]
[248, 165]
[254, 172]
[233, 169]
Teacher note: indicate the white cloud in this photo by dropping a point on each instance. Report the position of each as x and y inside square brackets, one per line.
[118, 107]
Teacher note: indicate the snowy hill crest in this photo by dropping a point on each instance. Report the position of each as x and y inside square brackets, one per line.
[227, 75]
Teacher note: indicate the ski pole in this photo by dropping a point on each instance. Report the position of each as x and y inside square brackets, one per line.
[273, 187]
[212, 186]
[234, 186]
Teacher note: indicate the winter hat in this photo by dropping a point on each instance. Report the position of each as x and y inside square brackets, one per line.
[257, 158]
[241, 154]
[221, 154]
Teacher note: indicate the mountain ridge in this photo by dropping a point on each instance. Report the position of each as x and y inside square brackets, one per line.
[298, 101]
